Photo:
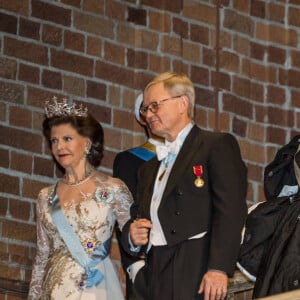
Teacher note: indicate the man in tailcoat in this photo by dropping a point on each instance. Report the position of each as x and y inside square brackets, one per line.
[190, 205]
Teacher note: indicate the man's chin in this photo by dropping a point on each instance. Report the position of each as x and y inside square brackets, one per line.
[154, 126]
[155, 130]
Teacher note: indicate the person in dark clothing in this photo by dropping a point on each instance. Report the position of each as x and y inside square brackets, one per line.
[125, 167]
[270, 251]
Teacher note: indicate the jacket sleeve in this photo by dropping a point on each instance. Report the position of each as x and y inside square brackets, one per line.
[228, 187]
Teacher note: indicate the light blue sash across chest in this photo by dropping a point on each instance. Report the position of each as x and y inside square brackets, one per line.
[92, 276]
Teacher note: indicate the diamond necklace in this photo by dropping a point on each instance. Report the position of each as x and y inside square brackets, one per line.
[85, 178]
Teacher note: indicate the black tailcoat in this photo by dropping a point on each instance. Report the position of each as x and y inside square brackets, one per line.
[218, 208]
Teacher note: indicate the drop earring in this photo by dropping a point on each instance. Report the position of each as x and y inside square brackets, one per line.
[86, 151]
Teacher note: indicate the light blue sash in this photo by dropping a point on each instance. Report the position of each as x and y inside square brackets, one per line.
[91, 277]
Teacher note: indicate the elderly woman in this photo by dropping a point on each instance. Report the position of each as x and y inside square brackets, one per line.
[76, 216]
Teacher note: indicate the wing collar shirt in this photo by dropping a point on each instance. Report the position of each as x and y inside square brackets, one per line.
[167, 154]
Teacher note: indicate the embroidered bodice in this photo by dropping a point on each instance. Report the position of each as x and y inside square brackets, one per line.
[91, 208]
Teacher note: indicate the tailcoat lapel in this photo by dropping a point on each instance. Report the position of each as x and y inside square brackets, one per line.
[184, 158]
[148, 180]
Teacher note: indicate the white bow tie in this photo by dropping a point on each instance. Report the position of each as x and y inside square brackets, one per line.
[163, 150]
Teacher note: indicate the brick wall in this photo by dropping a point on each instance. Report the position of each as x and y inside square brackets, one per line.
[102, 52]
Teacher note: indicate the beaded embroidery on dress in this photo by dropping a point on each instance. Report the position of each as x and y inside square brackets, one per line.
[56, 275]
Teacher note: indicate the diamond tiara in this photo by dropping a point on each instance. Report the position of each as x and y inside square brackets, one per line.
[55, 108]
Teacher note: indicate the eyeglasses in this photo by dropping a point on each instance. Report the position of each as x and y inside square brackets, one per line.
[154, 106]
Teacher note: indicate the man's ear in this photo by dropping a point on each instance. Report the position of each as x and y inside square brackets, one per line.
[184, 102]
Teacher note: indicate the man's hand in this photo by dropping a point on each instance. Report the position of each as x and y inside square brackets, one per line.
[139, 230]
[214, 285]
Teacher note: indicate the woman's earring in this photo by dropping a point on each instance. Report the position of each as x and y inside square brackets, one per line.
[86, 151]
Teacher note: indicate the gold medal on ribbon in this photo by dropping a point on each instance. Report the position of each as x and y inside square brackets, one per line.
[198, 171]
[199, 182]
